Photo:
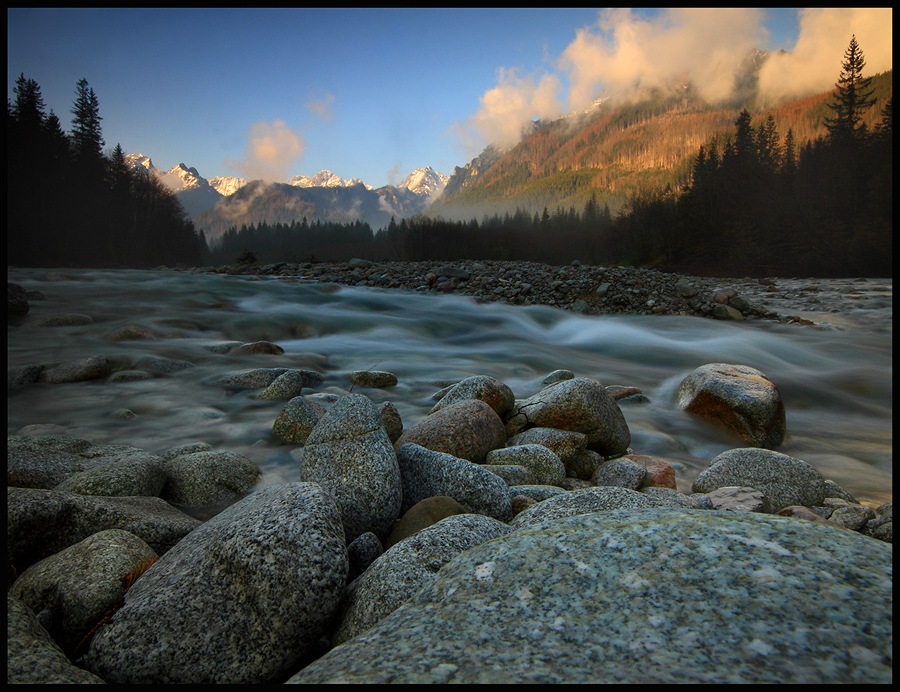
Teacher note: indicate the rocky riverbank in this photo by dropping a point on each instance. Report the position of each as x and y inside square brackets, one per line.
[495, 538]
[585, 289]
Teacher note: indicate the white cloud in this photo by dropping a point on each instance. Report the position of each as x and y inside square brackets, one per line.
[272, 150]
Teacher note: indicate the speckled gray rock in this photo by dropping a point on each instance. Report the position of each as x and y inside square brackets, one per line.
[40, 523]
[546, 468]
[362, 552]
[422, 515]
[784, 480]
[297, 420]
[581, 405]
[404, 569]
[16, 378]
[123, 474]
[645, 596]
[32, 657]
[490, 390]
[44, 461]
[623, 473]
[16, 300]
[89, 368]
[208, 478]
[257, 378]
[78, 585]
[349, 454]
[286, 386]
[666, 497]
[390, 417]
[564, 443]
[536, 492]
[162, 366]
[512, 474]
[737, 499]
[254, 587]
[738, 397]
[468, 429]
[582, 501]
[375, 379]
[426, 473]
[67, 320]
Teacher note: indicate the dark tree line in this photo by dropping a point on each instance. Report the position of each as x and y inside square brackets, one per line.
[69, 204]
[762, 207]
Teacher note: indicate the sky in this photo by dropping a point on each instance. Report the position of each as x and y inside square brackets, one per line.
[376, 93]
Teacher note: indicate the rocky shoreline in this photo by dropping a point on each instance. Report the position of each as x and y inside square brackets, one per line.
[590, 290]
[477, 544]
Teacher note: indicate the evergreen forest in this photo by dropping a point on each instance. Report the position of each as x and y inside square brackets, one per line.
[69, 204]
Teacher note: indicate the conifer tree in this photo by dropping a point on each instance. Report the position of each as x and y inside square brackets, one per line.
[853, 97]
[87, 138]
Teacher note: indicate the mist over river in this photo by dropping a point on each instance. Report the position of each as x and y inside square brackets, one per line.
[835, 379]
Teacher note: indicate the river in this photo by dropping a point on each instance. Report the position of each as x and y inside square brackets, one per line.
[835, 379]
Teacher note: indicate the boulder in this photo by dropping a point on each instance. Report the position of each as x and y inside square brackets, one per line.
[362, 552]
[208, 478]
[546, 468]
[16, 300]
[422, 515]
[297, 420]
[349, 454]
[240, 600]
[621, 473]
[89, 368]
[40, 523]
[737, 397]
[468, 429]
[286, 386]
[78, 585]
[123, 475]
[426, 473]
[32, 657]
[581, 405]
[490, 390]
[783, 479]
[563, 443]
[583, 501]
[375, 379]
[408, 566]
[640, 596]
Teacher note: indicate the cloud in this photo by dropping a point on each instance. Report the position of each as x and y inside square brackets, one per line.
[322, 108]
[272, 150]
[625, 54]
[513, 103]
[813, 66]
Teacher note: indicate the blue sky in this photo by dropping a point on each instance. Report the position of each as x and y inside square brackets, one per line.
[376, 93]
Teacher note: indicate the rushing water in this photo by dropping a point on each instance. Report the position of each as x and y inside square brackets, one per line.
[836, 382]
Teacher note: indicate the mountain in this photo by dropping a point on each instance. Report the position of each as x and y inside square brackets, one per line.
[424, 181]
[614, 150]
[193, 190]
[325, 179]
[227, 185]
[274, 203]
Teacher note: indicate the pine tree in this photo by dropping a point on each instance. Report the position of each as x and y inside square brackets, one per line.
[87, 137]
[853, 97]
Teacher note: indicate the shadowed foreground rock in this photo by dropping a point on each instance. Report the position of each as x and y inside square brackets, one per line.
[640, 596]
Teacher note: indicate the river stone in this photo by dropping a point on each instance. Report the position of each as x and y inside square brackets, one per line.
[349, 454]
[32, 657]
[622, 473]
[44, 461]
[539, 493]
[468, 429]
[740, 398]
[78, 585]
[208, 478]
[408, 566]
[546, 468]
[257, 347]
[426, 473]
[512, 474]
[297, 420]
[122, 475]
[375, 379]
[641, 596]
[737, 499]
[488, 389]
[667, 497]
[564, 443]
[422, 515]
[660, 474]
[390, 417]
[63, 320]
[16, 378]
[16, 300]
[40, 523]
[286, 386]
[784, 480]
[581, 405]
[362, 552]
[253, 379]
[583, 501]
[90, 368]
[584, 464]
[162, 366]
[240, 600]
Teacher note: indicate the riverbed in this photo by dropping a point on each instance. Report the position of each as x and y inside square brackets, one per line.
[835, 375]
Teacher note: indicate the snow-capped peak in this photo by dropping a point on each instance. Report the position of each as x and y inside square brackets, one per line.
[141, 163]
[325, 179]
[227, 185]
[424, 181]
